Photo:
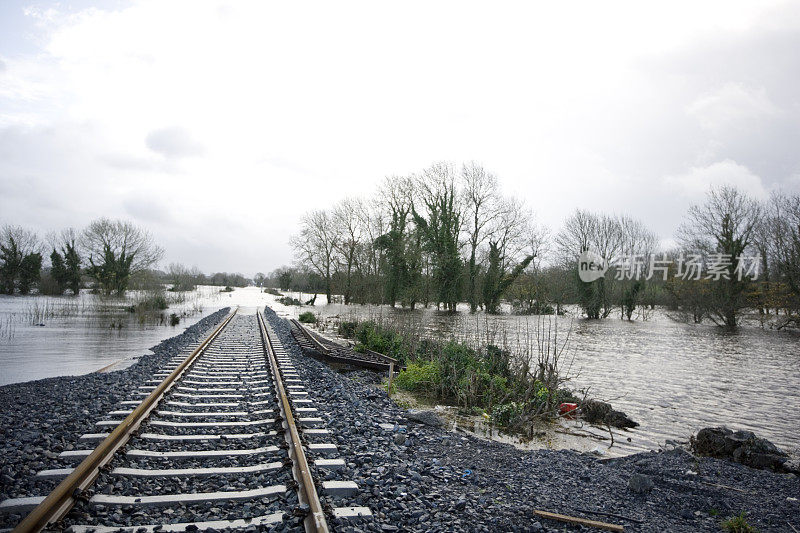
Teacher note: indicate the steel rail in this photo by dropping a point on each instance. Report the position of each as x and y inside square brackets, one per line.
[328, 351]
[58, 503]
[315, 521]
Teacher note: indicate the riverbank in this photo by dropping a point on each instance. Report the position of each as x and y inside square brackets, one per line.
[421, 478]
[42, 418]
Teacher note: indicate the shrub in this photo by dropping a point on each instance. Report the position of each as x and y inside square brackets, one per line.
[174, 319]
[152, 302]
[286, 300]
[347, 329]
[272, 292]
[505, 413]
[371, 336]
[307, 318]
[419, 377]
[227, 288]
[738, 524]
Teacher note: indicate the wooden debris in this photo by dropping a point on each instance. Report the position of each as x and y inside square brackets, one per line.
[580, 521]
[613, 515]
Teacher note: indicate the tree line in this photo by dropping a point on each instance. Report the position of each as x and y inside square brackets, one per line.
[109, 255]
[448, 234]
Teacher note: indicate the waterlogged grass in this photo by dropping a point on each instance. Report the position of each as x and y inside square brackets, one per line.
[307, 318]
[738, 524]
[514, 387]
[147, 307]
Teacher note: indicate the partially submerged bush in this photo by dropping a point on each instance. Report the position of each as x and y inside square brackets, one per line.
[287, 300]
[307, 318]
[272, 291]
[174, 319]
[347, 329]
[371, 336]
[514, 389]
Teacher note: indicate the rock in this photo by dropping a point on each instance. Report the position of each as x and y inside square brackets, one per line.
[618, 419]
[740, 446]
[640, 483]
[423, 416]
[597, 412]
[399, 439]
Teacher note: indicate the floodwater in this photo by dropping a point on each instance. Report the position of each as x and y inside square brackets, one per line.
[87, 333]
[672, 378]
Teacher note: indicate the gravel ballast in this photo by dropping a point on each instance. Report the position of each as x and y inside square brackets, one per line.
[413, 476]
[40, 419]
[438, 480]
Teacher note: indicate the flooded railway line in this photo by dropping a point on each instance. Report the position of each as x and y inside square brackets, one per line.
[225, 436]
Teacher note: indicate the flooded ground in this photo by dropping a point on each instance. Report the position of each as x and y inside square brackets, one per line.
[44, 336]
[672, 378]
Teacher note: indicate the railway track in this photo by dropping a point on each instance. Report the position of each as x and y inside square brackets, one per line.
[318, 346]
[224, 437]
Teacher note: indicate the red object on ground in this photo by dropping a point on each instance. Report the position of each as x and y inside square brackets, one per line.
[567, 409]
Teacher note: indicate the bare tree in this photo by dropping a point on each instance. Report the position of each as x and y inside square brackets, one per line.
[116, 250]
[373, 219]
[602, 234]
[783, 229]
[722, 229]
[481, 210]
[315, 246]
[349, 229]
[181, 277]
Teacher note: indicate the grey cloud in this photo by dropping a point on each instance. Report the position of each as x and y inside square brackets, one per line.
[173, 142]
[147, 209]
[764, 60]
[3, 66]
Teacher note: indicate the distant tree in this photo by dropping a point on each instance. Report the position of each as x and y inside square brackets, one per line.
[72, 266]
[117, 249]
[638, 244]
[259, 278]
[723, 228]
[182, 278]
[58, 271]
[481, 209]
[316, 246]
[601, 234]
[283, 277]
[438, 218]
[396, 194]
[497, 280]
[782, 228]
[18, 250]
[10, 261]
[30, 269]
[348, 228]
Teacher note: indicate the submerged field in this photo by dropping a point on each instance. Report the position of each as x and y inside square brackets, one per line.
[672, 378]
[45, 336]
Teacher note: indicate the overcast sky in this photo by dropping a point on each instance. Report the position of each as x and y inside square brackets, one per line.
[216, 126]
